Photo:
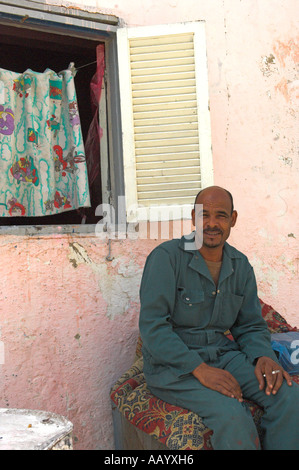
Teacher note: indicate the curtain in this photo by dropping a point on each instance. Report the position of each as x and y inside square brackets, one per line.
[42, 159]
[95, 132]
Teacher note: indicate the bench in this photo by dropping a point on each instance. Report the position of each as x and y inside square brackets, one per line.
[144, 422]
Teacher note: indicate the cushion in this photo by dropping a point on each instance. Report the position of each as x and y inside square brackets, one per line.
[175, 427]
[276, 323]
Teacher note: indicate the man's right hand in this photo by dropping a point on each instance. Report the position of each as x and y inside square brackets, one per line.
[217, 379]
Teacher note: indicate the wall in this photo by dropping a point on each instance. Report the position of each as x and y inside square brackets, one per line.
[69, 317]
[69, 324]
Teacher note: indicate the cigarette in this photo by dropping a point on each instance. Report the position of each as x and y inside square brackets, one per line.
[273, 372]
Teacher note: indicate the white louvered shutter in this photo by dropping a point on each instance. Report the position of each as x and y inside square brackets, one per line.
[165, 117]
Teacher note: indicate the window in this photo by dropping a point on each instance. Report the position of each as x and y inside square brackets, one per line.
[155, 153]
[165, 118]
[53, 39]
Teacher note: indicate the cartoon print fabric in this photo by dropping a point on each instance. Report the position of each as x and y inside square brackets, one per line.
[42, 159]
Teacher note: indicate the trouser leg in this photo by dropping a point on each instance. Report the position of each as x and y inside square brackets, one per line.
[231, 422]
[281, 411]
[281, 420]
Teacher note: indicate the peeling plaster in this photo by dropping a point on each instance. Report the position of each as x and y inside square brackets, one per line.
[288, 88]
[287, 49]
[287, 53]
[268, 65]
[286, 160]
[268, 275]
[283, 64]
[117, 281]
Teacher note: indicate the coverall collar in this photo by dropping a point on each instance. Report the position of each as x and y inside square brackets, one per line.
[198, 263]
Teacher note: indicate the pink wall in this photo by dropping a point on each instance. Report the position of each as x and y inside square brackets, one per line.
[69, 324]
[69, 317]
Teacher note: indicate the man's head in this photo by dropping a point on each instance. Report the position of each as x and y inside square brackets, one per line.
[215, 187]
[214, 209]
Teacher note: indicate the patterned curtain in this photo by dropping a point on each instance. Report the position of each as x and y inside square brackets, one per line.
[42, 159]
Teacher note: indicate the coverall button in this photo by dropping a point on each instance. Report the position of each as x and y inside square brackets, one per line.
[187, 298]
[214, 292]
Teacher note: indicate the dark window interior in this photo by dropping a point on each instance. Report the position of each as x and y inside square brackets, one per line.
[22, 48]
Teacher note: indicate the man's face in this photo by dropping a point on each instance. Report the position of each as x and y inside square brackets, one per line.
[214, 212]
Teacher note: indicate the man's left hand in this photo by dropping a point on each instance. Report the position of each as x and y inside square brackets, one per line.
[274, 374]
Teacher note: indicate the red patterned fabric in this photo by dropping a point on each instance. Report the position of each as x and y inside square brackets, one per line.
[175, 427]
[276, 323]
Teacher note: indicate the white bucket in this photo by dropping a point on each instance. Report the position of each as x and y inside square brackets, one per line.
[34, 430]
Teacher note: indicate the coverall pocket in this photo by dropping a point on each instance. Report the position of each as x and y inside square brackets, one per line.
[188, 306]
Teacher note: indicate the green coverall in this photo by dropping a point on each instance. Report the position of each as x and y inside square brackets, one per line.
[183, 318]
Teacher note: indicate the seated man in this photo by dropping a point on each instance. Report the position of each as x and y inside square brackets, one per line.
[191, 294]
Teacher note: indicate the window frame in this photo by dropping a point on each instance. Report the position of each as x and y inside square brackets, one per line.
[98, 28]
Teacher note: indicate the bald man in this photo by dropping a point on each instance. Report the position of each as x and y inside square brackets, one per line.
[192, 293]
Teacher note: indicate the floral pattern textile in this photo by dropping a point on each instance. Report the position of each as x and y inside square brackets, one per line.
[175, 427]
[42, 158]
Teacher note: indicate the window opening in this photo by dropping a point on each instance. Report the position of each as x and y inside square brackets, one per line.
[22, 48]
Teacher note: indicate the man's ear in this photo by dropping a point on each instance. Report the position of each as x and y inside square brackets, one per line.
[234, 218]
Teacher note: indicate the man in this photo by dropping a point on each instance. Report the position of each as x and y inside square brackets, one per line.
[190, 296]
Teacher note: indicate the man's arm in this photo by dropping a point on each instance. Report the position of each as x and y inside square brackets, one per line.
[251, 332]
[157, 302]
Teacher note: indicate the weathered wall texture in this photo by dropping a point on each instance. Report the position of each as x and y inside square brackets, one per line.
[69, 317]
[69, 324]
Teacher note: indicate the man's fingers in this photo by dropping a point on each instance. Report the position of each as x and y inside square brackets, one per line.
[260, 378]
[278, 381]
[218, 379]
[229, 393]
[274, 380]
[273, 373]
[231, 386]
[287, 378]
[270, 375]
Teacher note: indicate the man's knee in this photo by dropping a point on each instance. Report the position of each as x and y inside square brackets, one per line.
[291, 397]
[281, 420]
[236, 429]
[287, 399]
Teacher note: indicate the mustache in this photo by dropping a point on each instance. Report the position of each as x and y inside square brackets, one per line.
[213, 230]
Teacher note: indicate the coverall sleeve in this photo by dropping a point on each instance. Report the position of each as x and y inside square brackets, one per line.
[157, 301]
[250, 330]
